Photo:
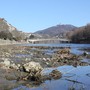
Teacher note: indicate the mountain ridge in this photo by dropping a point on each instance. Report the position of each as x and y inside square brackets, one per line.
[58, 30]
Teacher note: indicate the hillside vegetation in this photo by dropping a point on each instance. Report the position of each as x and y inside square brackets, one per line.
[7, 31]
[80, 35]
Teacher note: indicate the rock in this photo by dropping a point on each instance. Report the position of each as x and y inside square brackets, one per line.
[7, 63]
[35, 77]
[14, 66]
[34, 71]
[55, 74]
[88, 56]
[64, 51]
[32, 67]
[85, 53]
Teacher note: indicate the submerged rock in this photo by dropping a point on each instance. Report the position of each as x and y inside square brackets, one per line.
[55, 74]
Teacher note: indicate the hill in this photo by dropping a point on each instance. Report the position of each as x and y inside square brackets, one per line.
[57, 31]
[7, 31]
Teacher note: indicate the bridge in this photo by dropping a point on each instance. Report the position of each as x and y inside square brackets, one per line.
[51, 40]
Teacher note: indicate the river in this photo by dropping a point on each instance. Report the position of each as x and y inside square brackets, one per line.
[73, 78]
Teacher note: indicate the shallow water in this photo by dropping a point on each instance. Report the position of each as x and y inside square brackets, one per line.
[73, 78]
[77, 78]
[74, 47]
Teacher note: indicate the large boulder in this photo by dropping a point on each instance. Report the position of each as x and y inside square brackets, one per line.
[32, 67]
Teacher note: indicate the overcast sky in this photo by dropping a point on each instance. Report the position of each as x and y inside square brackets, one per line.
[33, 15]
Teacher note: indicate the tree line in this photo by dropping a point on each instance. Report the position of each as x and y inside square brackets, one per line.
[80, 35]
[7, 35]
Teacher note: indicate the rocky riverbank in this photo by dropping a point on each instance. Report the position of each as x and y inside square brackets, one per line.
[25, 64]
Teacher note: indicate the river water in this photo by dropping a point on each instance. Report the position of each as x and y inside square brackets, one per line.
[73, 78]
